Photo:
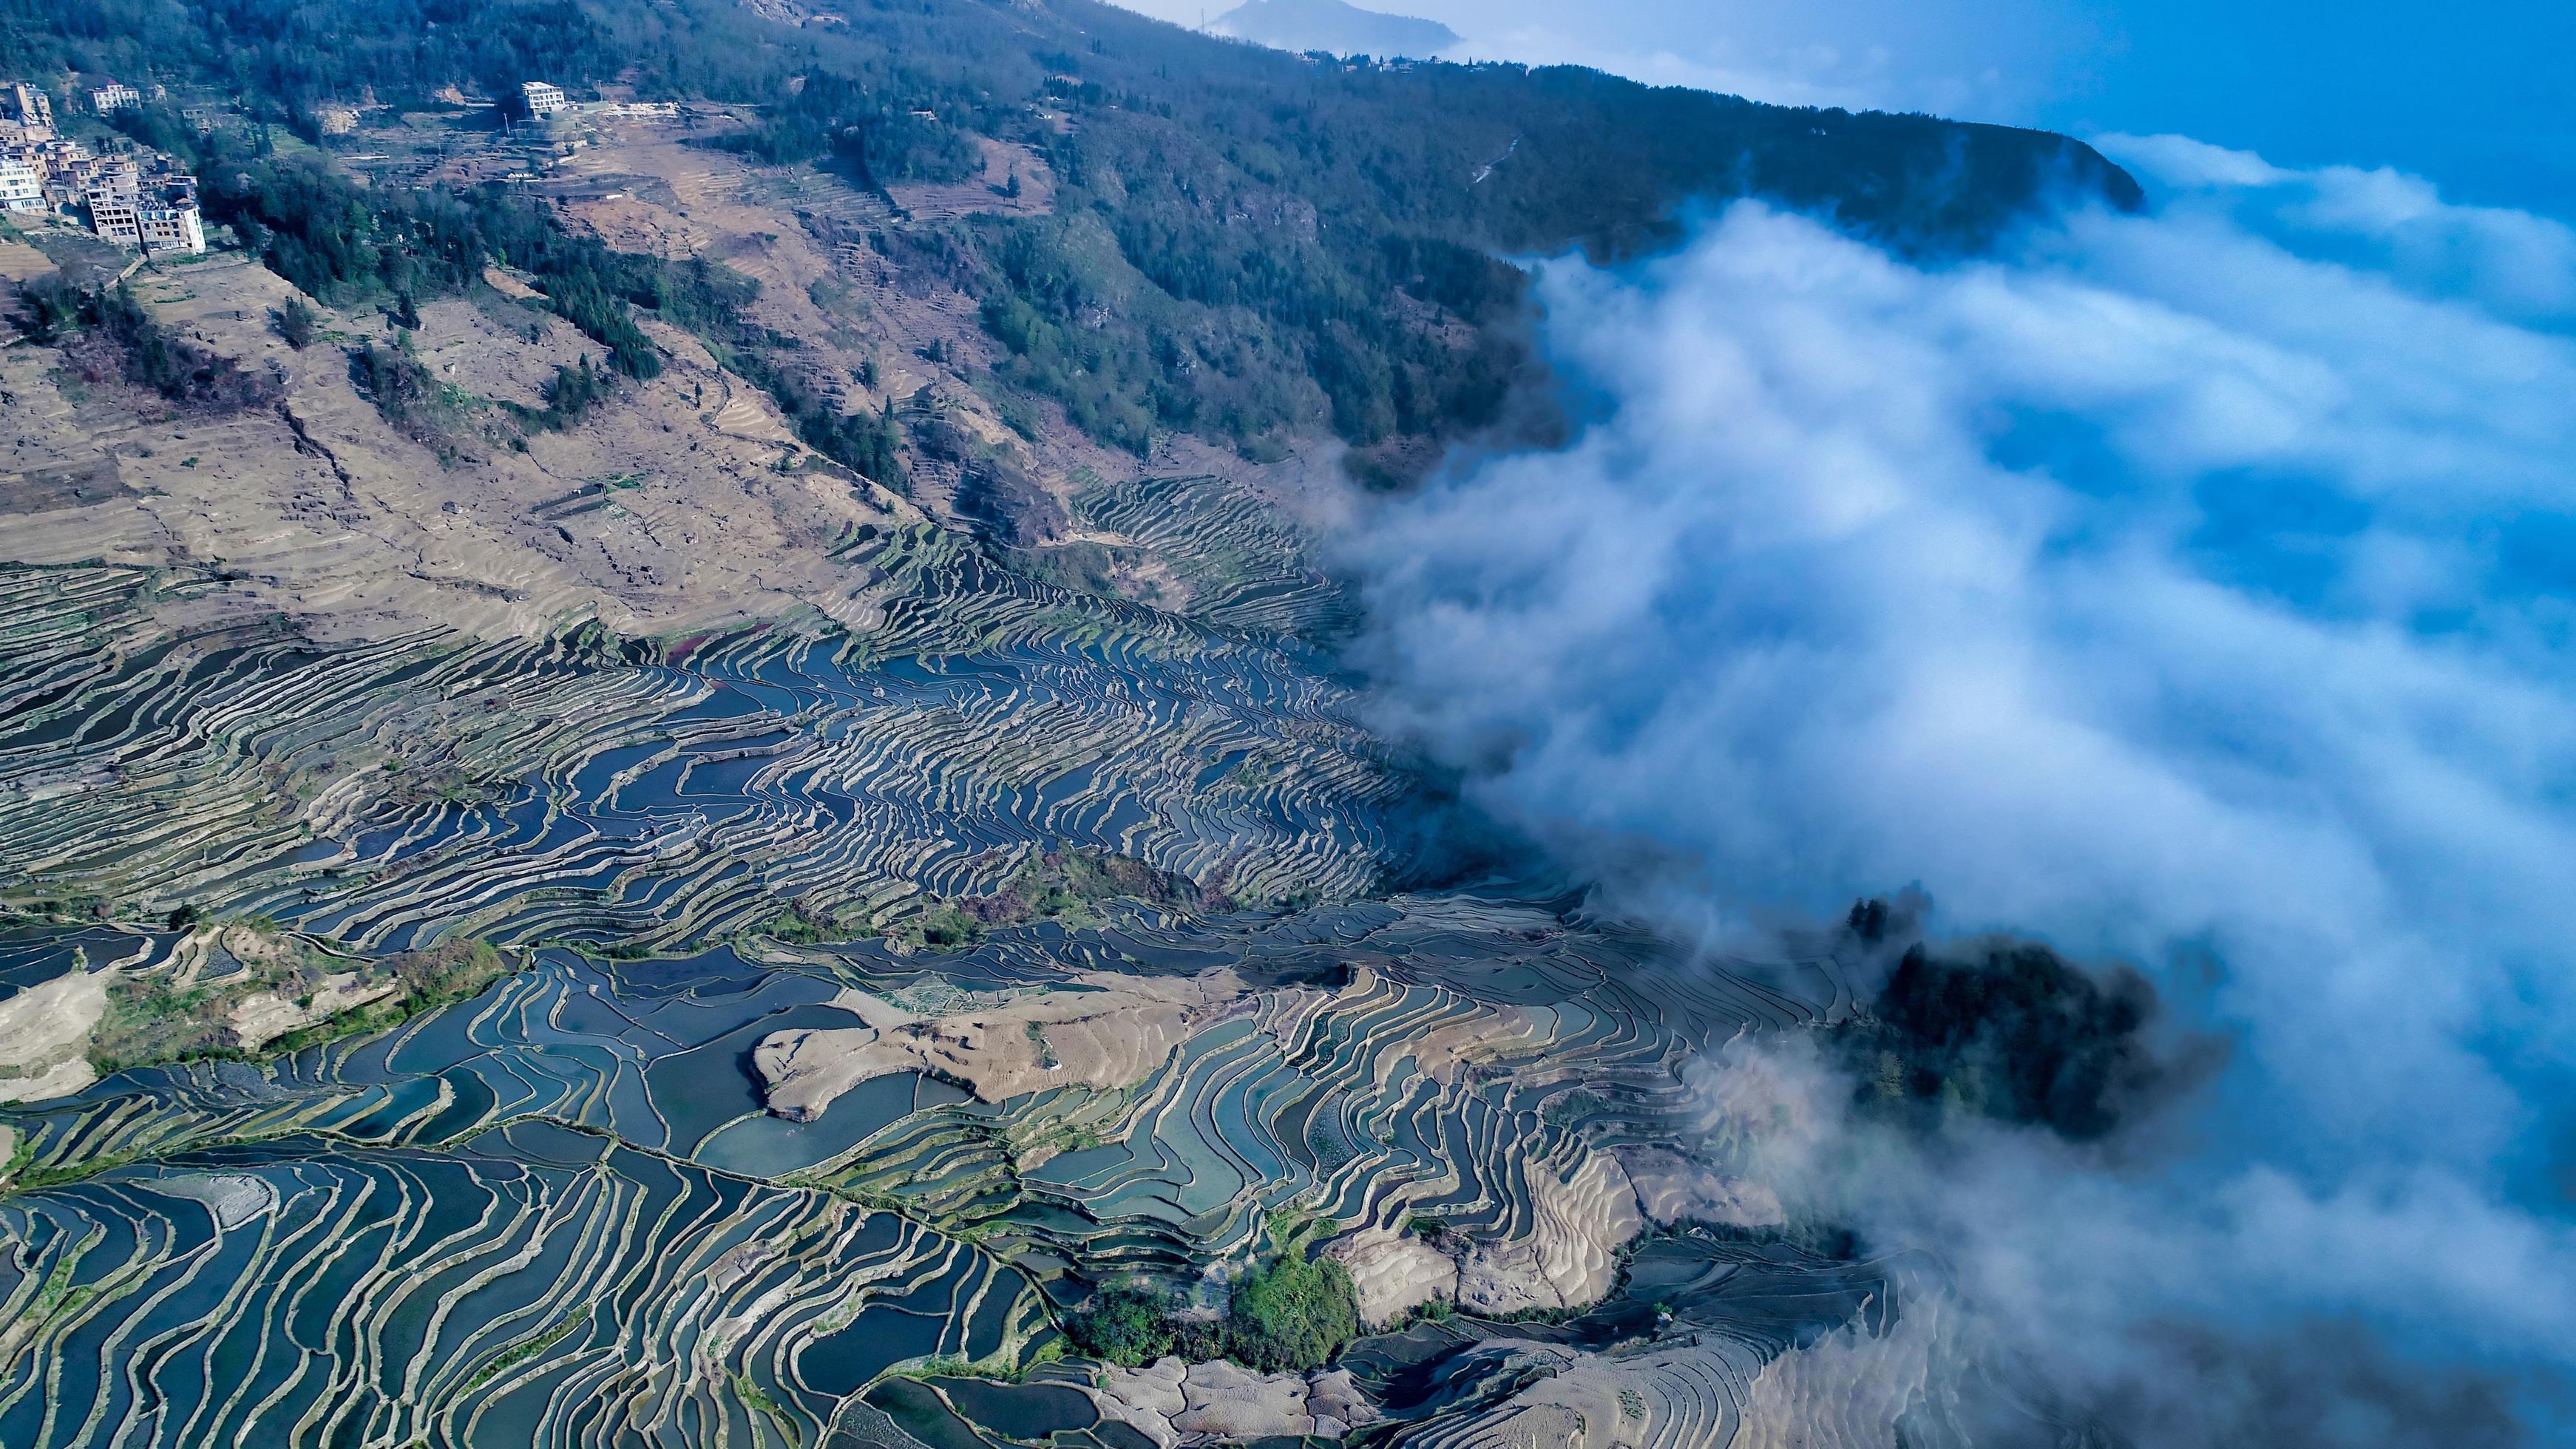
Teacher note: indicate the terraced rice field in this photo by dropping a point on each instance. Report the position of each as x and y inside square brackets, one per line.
[387, 794]
[1245, 565]
[744, 1145]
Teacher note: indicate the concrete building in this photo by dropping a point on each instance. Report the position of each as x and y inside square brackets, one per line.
[171, 229]
[155, 213]
[116, 215]
[46, 155]
[332, 119]
[541, 99]
[99, 173]
[163, 219]
[25, 105]
[21, 189]
[113, 96]
[101, 176]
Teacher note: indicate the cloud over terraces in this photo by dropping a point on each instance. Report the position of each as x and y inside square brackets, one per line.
[2197, 587]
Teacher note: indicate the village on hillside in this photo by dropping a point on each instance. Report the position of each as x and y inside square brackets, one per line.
[145, 201]
[132, 196]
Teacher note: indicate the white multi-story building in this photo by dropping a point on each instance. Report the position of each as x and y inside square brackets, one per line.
[21, 189]
[113, 96]
[171, 228]
[542, 100]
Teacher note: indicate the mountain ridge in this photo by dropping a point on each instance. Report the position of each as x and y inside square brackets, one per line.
[1334, 26]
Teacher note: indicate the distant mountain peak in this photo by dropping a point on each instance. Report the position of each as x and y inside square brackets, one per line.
[1335, 26]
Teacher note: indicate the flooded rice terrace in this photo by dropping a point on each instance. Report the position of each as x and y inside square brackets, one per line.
[780, 1037]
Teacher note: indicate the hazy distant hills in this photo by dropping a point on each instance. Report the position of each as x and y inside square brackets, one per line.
[1334, 26]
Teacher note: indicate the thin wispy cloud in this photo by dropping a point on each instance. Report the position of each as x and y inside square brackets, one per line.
[2197, 588]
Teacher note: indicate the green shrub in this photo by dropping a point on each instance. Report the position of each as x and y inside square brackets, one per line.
[1064, 883]
[148, 1022]
[296, 322]
[409, 398]
[570, 394]
[108, 334]
[52, 307]
[447, 972]
[1126, 1324]
[863, 442]
[947, 927]
[1292, 1315]
[395, 381]
[799, 924]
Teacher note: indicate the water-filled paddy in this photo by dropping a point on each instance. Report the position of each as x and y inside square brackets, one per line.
[559, 1212]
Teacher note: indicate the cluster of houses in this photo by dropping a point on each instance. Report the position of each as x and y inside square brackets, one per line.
[144, 200]
[135, 198]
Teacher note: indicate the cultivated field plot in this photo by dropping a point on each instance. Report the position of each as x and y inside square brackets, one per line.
[389, 793]
[793, 1033]
[563, 1212]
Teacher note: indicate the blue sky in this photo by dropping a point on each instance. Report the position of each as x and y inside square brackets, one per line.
[2476, 97]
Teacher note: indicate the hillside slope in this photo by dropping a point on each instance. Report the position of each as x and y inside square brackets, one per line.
[1245, 245]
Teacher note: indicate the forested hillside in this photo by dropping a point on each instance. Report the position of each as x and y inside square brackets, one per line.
[1246, 244]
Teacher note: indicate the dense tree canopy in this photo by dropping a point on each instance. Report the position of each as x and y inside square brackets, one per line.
[2009, 1030]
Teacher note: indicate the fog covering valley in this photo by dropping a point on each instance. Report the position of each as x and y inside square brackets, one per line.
[2184, 588]
[990, 725]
